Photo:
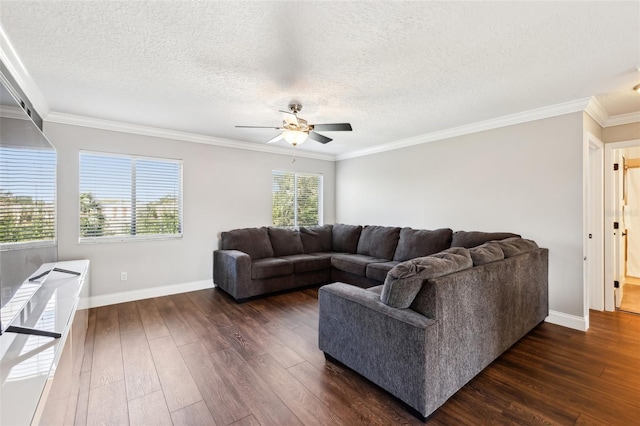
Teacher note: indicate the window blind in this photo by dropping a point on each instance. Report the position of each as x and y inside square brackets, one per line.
[27, 195]
[297, 199]
[129, 197]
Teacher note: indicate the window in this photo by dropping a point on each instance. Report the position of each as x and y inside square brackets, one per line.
[297, 199]
[128, 197]
[27, 196]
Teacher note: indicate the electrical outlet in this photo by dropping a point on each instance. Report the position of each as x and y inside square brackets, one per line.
[123, 276]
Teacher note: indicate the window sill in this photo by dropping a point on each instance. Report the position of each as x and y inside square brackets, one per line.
[27, 245]
[129, 239]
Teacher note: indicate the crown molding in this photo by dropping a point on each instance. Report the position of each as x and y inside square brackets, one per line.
[597, 112]
[13, 112]
[589, 105]
[494, 123]
[618, 120]
[115, 126]
[11, 60]
[602, 117]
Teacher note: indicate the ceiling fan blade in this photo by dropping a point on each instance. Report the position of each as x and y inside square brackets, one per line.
[333, 127]
[276, 138]
[260, 127]
[291, 118]
[319, 138]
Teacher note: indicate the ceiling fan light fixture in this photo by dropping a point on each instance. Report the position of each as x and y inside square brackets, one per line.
[295, 137]
[637, 88]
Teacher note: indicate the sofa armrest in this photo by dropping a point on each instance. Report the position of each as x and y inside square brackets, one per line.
[372, 301]
[232, 272]
[394, 348]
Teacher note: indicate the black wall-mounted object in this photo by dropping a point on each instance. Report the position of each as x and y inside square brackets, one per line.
[24, 101]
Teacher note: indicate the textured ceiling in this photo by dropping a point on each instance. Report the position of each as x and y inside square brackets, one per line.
[392, 69]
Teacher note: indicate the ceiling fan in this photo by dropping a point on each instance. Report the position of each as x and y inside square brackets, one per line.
[295, 130]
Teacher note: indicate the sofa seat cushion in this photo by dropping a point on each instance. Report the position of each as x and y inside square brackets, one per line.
[316, 238]
[353, 263]
[326, 254]
[253, 241]
[405, 280]
[421, 242]
[270, 267]
[378, 271]
[285, 241]
[475, 238]
[378, 241]
[344, 238]
[307, 263]
[486, 253]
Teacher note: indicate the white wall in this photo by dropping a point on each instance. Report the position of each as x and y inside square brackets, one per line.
[224, 188]
[525, 178]
[621, 133]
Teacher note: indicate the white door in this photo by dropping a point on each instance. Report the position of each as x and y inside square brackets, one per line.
[619, 248]
[614, 204]
[632, 217]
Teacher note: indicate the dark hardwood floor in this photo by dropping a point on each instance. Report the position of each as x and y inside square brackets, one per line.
[200, 359]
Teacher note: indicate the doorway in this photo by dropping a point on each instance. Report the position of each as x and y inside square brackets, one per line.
[630, 300]
[622, 225]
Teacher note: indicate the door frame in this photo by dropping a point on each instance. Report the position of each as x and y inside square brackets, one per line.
[593, 225]
[610, 216]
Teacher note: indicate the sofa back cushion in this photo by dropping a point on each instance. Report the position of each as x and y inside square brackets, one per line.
[345, 237]
[486, 253]
[421, 242]
[405, 280]
[378, 241]
[316, 239]
[514, 246]
[285, 241]
[253, 241]
[475, 238]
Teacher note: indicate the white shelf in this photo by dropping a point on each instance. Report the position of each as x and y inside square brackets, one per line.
[29, 362]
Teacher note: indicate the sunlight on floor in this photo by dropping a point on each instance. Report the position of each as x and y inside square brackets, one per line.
[631, 295]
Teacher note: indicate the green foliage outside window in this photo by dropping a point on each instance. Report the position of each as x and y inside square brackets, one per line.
[25, 219]
[296, 199]
[92, 219]
[159, 217]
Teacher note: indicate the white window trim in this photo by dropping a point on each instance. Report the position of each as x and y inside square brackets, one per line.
[295, 207]
[23, 245]
[133, 238]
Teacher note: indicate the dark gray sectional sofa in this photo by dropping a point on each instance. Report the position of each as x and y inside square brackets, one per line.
[256, 261]
[438, 320]
[418, 312]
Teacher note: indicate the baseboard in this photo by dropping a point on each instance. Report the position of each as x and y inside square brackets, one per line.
[146, 293]
[566, 320]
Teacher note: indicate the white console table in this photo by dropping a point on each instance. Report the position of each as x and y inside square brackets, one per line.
[39, 374]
